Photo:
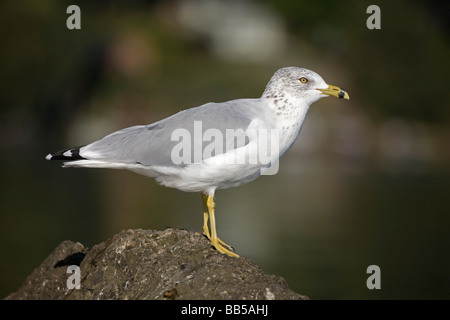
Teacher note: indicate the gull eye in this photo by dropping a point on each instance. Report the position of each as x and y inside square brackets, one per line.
[303, 80]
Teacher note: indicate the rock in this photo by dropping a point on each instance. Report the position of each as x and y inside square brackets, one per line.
[146, 264]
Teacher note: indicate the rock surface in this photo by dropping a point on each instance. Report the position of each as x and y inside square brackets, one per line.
[146, 264]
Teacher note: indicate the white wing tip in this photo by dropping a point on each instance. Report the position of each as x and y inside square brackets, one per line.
[48, 157]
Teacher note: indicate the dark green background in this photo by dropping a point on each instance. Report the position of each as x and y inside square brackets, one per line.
[366, 183]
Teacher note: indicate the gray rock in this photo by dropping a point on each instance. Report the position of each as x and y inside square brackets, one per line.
[147, 264]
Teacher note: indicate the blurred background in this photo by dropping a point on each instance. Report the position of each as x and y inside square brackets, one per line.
[367, 182]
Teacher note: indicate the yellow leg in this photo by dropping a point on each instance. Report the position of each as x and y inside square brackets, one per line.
[221, 246]
[205, 220]
[205, 217]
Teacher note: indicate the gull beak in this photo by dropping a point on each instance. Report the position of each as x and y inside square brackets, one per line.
[335, 92]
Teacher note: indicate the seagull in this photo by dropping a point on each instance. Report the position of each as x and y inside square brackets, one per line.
[212, 146]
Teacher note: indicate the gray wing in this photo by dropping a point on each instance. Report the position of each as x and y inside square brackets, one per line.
[152, 144]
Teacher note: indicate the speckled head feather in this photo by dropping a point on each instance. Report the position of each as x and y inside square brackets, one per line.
[286, 83]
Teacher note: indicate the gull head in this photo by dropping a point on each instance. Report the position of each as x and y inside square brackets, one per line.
[301, 85]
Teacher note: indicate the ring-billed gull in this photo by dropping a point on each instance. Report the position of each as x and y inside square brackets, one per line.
[213, 146]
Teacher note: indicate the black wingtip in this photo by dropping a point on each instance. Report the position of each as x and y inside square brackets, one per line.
[68, 155]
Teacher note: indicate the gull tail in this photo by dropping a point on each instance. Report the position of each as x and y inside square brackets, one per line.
[72, 158]
[67, 155]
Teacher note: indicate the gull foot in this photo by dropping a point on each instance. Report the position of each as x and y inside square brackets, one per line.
[220, 246]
